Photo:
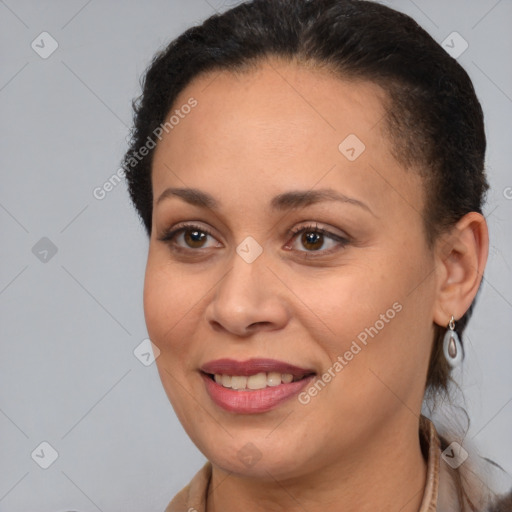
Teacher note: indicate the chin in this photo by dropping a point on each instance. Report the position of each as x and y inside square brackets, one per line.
[278, 467]
[258, 457]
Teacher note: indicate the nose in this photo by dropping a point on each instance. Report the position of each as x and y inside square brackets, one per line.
[248, 299]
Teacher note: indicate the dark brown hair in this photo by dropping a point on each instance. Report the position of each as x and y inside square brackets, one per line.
[433, 119]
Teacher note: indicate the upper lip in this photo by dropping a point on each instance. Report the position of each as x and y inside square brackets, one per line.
[252, 367]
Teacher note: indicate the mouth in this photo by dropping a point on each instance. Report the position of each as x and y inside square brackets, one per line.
[253, 386]
[256, 381]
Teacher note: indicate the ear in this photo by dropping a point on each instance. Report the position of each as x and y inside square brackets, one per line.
[461, 255]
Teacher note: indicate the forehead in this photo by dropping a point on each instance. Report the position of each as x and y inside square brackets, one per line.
[276, 103]
[278, 125]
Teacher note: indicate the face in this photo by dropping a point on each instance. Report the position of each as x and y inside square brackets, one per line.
[300, 255]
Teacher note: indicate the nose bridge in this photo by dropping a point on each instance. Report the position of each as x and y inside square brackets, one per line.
[243, 283]
[245, 296]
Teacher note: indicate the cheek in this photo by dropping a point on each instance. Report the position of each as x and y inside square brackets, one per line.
[370, 319]
[388, 327]
[344, 302]
[167, 302]
[156, 307]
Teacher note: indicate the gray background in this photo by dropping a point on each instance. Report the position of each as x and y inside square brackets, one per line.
[70, 324]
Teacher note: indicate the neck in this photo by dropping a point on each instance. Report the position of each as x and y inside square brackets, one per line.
[389, 475]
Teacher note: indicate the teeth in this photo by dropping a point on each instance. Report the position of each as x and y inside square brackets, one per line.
[258, 381]
[274, 379]
[238, 382]
[226, 381]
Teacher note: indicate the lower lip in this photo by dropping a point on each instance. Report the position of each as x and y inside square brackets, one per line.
[253, 401]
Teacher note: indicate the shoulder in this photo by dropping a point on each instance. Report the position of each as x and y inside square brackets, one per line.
[192, 498]
[468, 481]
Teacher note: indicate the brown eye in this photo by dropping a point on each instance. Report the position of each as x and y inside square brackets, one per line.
[312, 240]
[194, 238]
[190, 236]
[315, 239]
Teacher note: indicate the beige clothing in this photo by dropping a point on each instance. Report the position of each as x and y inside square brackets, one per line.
[439, 494]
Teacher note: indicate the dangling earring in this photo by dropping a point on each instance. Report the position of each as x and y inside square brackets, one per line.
[451, 345]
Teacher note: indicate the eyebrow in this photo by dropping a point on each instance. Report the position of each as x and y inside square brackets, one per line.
[284, 201]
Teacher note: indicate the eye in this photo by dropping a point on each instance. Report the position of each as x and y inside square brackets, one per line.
[189, 236]
[314, 238]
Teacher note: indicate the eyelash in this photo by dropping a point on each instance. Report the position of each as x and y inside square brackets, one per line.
[168, 237]
[294, 233]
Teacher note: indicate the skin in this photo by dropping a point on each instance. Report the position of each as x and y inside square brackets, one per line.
[251, 137]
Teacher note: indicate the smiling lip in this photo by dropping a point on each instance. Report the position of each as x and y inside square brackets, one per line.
[252, 367]
[253, 401]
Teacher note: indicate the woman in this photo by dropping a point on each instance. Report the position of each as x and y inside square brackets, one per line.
[310, 175]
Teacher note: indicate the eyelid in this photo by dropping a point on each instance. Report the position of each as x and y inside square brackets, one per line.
[315, 226]
[185, 224]
[169, 236]
[342, 240]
